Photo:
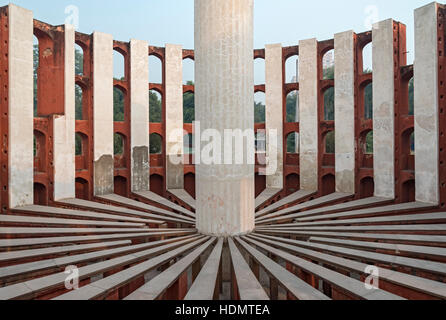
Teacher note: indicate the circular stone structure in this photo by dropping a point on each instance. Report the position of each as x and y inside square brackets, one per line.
[224, 78]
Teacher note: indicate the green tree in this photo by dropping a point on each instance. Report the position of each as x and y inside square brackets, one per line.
[291, 143]
[329, 109]
[156, 144]
[368, 101]
[259, 112]
[78, 145]
[118, 144]
[118, 105]
[189, 105]
[328, 73]
[369, 143]
[155, 108]
[291, 104]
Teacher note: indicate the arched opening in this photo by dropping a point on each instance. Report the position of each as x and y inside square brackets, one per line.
[40, 194]
[367, 58]
[411, 97]
[189, 184]
[157, 184]
[328, 64]
[156, 144]
[292, 143]
[328, 184]
[368, 101]
[292, 69]
[156, 106]
[329, 104]
[82, 189]
[292, 107]
[81, 143]
[119, 150]
[120, 186]
[79, 60]
[118, 144]
[330, 143]
[79, 100]
[408, 147]
[118, 105]
[188, 71]
[292, 183]
[78, 143]
[259, 71]
[155, 69]
[188, 107]
[40, 154]
[259, 107]
[366, 149]
[368, 143]
[408, 191]
[260, 184]
[367, 188]
[35, 71]
[118, 65]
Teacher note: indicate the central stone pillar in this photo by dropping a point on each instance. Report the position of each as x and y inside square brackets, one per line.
[224, 95]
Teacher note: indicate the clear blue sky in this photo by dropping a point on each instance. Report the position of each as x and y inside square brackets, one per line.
[276, 21]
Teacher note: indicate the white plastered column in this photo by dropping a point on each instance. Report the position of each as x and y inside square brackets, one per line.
[174, 117]
[308, 114]
[274, 115]
[139, 113]
[103, 113]
[345, 112]
[224, 70]
[383, 109]
[21, 107]
[64, 129]
[426, 105]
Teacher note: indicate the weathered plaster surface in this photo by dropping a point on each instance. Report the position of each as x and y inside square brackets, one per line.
[426, 105]
[102, 178]
[308, 114]
[21, 161]
[345, 112]
[383, 109]
[64, 129]
[174, 117]
[274, 113]
[224, 99]
[103, 112]
[139, 115]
